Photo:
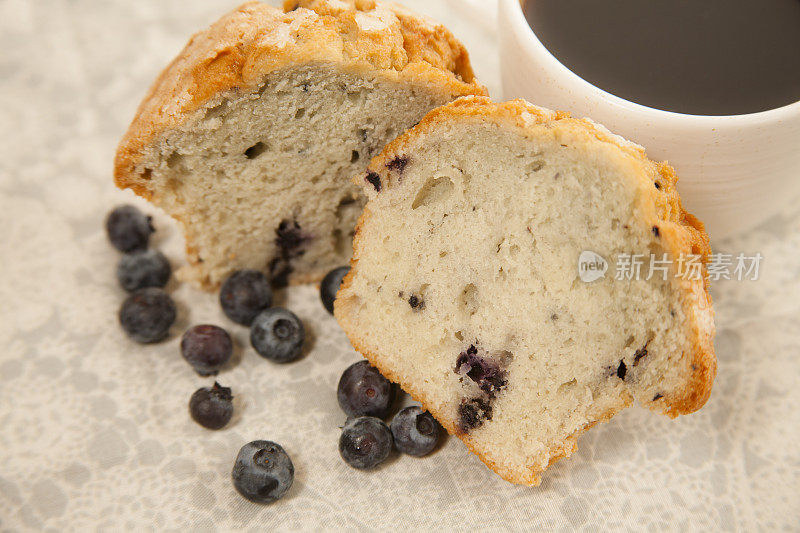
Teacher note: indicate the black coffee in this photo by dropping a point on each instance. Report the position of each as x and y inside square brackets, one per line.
[703, 57]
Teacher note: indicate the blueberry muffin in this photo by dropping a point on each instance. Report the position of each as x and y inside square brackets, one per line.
[466, 287]
[250, 137]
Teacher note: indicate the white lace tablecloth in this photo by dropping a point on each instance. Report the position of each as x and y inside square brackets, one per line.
[94, 430]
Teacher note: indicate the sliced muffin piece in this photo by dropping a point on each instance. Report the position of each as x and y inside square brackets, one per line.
[465, 285]
[250, 137]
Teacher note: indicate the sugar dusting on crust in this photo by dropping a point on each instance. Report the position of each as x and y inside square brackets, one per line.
[618, 139]
[428, 23]
[279, 38]
[284, 34]
[529, 119]
[302, 18]
[377, 20]
[704, 312]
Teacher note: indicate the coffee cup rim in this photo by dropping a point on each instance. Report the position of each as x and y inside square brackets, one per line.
[535, 45]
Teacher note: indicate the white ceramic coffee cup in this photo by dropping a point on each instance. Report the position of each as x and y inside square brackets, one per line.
[734, 171]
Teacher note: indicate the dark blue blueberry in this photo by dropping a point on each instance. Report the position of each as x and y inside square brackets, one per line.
[330, 286]
[277, 334]
[245, 294]
[415, 431]
[290, 241]
[128, 228]
[212, 407]
[144, 268]
[365, 442]
[206, 348]
[147, 314]
[375, 180]
[473, 413]
[263, 472]
[363, 391]
[416, 302]
[622, 370]
[398, 164]
[483, 371]
[289, 237]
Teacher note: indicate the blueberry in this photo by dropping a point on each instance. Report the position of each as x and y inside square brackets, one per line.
[416, 302]
[245, 294]
[330, 286]
[472, 413]
[263, 472]
[212, 407]
[206, 348]
[143, 268]
[363, 391]
[398, 164]
[622, 370]
[277, 334]
[415, 431]
[374, 179]
[128, 228]
[365, 442]
[483, 371]
[290, 241]
[147, 314]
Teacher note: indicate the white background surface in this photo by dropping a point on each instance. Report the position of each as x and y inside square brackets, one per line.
[94, 430]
